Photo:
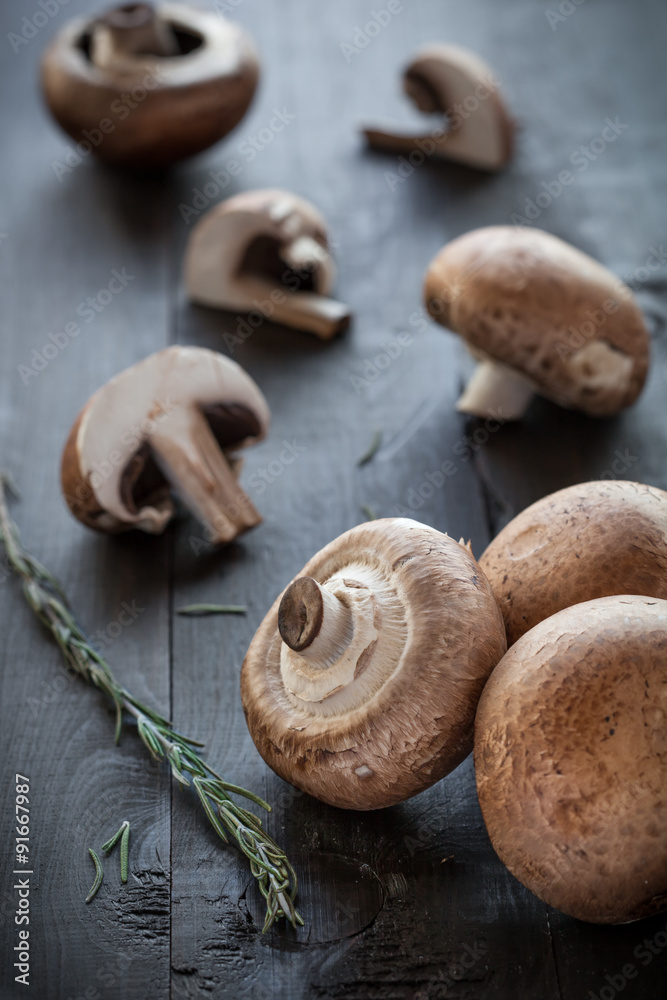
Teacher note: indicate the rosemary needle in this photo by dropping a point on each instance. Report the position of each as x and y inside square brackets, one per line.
[368, 512]
[269, 864]
[212, 609]
[123, 834]
[376, 441]
[99, 875]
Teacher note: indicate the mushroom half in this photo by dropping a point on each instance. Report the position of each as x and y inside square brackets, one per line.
[146, 87]
[267, 252]
[174, 419]
[592, 540]
[571, 759]
[540, 317]
[361, 684]
[456, 83]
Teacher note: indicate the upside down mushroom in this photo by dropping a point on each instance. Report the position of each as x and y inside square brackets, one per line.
[146, 87]
[540, 317]
[267, 252]
[571, 759]
[361, 684]
[592, 540]
[174, 420]
[477, 130]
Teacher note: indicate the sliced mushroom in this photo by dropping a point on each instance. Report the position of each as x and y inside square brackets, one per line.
[174, 419]
[592, 540]
[571, 759]
[266, 251]
[145, 87]
[361, 684]
[540, 317]
[477, 131]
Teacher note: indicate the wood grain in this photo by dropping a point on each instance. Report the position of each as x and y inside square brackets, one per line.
[410, 902]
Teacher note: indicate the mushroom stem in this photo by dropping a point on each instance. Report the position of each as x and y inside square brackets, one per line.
[190, 457]
[314, 622]
[496, 391]
[315, 313]
[399, 142]
[131, 30]
[304, 254]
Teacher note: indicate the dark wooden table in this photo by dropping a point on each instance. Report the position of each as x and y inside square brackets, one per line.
[410, 902]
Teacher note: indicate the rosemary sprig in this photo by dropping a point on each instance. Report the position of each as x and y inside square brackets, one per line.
[212, 609]
[99, 875]
[269, 864]
[373, 447]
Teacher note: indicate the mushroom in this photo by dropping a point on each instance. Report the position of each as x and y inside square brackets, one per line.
[361, 684]
[266, 251]
[592, 540]
[145, 87]
[571, 759]
[540, 317]
[173, 419]
[477, 131]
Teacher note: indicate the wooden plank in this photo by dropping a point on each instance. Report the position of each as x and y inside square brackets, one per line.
[64, 239]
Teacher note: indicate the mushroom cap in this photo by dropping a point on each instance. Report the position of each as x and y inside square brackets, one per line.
[571, 759]
[108, 449]
[184, 103]
[440, 78]
[592, 540]
[406, 718]
[535, 304]
[266, 220]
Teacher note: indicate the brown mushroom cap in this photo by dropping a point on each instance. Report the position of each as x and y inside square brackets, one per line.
[161, 108]
[531, 303]
[592, 540]
[385, 705]
[172, 420]
[571, 759]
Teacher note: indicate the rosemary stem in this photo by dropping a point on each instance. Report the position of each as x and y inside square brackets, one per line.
[268, 862]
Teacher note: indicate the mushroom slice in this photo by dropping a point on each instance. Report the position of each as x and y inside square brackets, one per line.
[592, 540]
[146, 87]
[540, 317]
[477, 132]
[571, 759]
[174, 418]
[361, 684]
[266, 251]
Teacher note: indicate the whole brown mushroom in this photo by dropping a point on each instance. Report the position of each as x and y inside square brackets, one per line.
[571, 759]
[541, 318]
[361, 684]
[145, 87]
[592, 540]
